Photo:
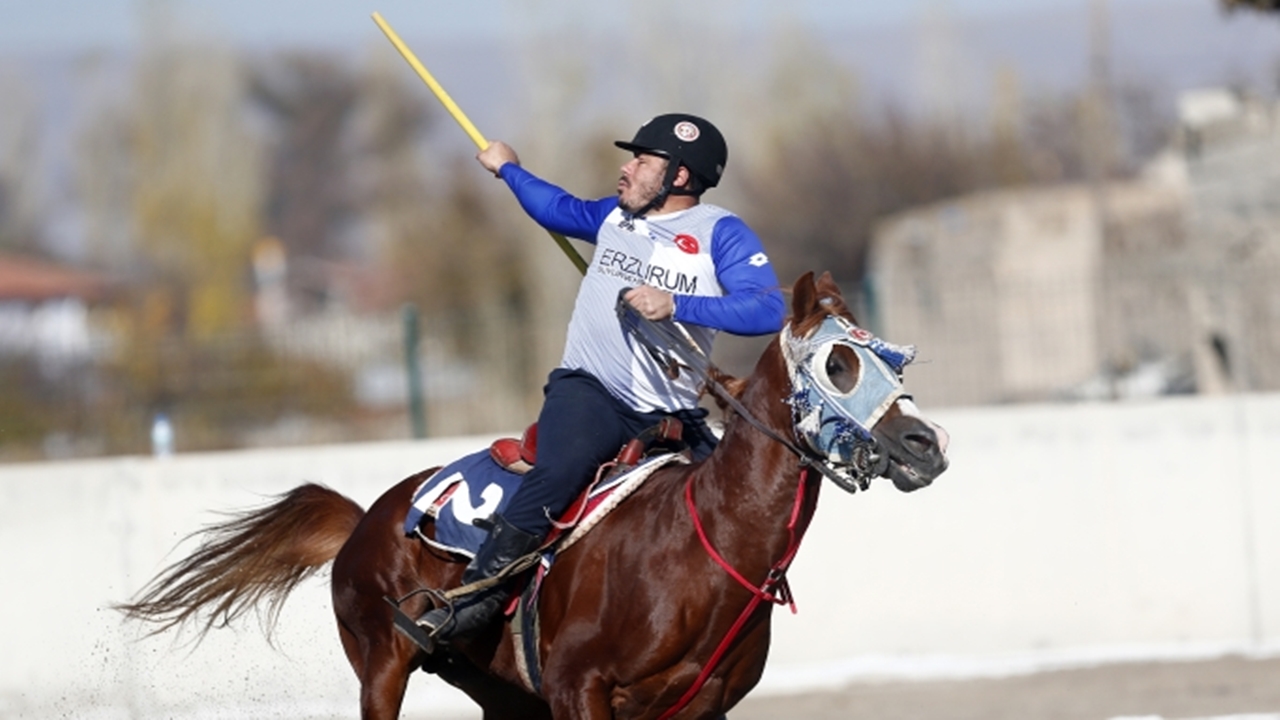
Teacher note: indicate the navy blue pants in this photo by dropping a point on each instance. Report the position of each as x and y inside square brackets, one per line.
[581, 426]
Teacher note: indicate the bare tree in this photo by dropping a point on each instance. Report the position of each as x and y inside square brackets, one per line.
[310, 100]
[20, 211]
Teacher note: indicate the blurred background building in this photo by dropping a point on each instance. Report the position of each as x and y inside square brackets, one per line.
[1162, 284]
[272, 239]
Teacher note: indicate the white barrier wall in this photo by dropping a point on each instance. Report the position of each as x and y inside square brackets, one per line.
[1059, 535]
[77, 537]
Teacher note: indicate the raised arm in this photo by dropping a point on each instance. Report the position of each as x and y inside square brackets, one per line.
[548, 205]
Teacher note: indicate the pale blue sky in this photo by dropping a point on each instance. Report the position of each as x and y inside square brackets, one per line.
[68, 25]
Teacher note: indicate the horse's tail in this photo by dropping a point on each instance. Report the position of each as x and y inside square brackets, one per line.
[256, 555]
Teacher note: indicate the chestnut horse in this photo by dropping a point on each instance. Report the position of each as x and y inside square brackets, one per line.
[663, 608]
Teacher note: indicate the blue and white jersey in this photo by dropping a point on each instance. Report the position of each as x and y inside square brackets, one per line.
[711, 262]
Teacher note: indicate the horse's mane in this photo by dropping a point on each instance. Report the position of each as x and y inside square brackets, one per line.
[732, 385]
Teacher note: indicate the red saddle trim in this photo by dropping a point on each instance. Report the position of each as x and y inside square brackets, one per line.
[580, 507]
[529, 444]
[518, 456]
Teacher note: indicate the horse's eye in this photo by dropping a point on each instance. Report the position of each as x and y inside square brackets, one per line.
[834, 366]
[840, 369]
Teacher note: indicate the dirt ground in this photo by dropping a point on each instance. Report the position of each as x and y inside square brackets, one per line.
[1168, 690]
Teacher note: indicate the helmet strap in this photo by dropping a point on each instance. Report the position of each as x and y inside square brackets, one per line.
[690, 188]
[667, 190]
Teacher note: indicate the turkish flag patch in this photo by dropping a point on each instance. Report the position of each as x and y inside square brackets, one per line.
[687, 243]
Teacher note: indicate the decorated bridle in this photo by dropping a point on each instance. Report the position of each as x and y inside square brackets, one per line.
[834, 426]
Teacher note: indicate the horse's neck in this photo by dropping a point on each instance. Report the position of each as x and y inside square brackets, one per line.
[750, 484]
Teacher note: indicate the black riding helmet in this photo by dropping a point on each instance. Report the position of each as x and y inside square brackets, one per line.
[683, 140]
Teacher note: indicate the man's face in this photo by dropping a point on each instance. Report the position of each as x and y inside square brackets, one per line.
[640, 181]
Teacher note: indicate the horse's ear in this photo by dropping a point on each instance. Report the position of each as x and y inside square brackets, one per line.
[827, 287]
[830, 297]
[804, 297]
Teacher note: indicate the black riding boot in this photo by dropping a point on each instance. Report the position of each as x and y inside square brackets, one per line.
[506, 544]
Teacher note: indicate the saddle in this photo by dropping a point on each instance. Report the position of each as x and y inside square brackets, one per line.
[478, 485]
[517, 456]
[520, 455]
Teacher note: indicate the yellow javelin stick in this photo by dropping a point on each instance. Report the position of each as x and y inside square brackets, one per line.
[462, 120]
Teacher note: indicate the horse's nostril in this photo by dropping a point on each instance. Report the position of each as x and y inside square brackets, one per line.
[920, 443]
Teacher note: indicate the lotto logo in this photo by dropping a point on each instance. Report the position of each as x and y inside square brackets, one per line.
[759, 260]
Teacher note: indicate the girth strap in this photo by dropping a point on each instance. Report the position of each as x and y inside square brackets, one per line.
[526, 630]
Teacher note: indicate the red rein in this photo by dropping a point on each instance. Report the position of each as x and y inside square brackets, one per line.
[775, 578]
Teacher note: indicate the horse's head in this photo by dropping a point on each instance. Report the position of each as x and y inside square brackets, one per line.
[847, 400]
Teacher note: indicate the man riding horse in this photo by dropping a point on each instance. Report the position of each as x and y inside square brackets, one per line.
[674, 258]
